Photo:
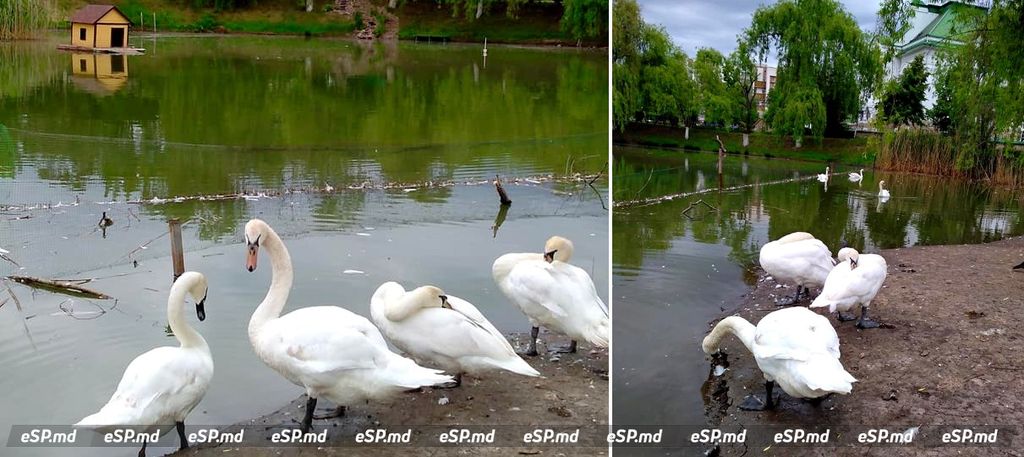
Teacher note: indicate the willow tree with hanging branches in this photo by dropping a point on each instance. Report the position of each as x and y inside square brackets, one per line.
[825, 64]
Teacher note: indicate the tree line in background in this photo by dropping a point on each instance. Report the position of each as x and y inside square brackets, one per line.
[655, 81]
[829, 72]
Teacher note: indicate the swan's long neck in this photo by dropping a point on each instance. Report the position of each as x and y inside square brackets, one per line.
[733, 324]
[280, 284]
[398, 308]
[186, 335]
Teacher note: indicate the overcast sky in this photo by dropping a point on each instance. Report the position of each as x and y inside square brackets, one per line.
[695, 24]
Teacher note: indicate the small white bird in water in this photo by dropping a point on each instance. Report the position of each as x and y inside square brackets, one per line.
[162, 386]
[856, 280]
[823, 177]
[857, 177]
[883, 193]
[794, 347]
[443, 331]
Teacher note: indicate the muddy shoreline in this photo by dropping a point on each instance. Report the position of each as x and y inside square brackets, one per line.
[572, 391]
[950, 355]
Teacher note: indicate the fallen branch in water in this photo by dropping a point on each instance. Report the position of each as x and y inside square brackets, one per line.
[61, 287]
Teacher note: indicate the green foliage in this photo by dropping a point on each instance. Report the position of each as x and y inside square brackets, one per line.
[206, 23]
[712, 94]
[941, 113]
[357, 19]
[981, 84]
[893, 23]
[23, 18]
[903, 97]
[584, 18]
[651, 77]
[739, 75]
[381, 23]
[825, 63]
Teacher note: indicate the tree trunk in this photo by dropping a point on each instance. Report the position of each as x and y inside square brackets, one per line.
[479, 9]
[309, 6]
[392, 4]
[686, 134]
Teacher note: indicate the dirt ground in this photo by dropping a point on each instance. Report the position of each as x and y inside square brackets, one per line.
[572, 391]
[949, 353]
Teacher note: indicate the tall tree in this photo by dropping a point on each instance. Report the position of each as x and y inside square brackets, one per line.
[584, 18]
[902, 101]
[825, 63]
[739, 74]
[627, 35]
[714, 100]
[984, 76]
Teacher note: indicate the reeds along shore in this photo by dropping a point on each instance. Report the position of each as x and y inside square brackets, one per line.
[20, 19]
[928, 151]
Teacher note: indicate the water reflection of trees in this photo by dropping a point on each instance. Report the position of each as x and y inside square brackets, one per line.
[213, 116]
[924, 210]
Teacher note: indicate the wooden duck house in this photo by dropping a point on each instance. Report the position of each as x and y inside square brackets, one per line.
[100, 28]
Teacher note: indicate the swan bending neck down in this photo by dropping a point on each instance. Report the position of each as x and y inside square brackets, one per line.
[554, 293]
[794, 347]
[162, 386]
[328, 350]
[797, 258]
[443, 331]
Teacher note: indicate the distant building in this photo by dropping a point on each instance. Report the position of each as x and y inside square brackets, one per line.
[99, 27]
[931, 28]
[764, 83]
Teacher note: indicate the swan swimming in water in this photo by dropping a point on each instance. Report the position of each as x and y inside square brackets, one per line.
[855, 280]
[823, 177]
[162, 386]
[328, 350]
[794, 347]
[443, 330]
[797, 258]
[883, 193]
[554, 293]
[857, 177]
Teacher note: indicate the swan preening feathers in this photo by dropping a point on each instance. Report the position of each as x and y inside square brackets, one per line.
[329, 351]
[554, 293]
[162, 386]
[855, 281]
[794, 348]
[443, 331]
[797, 258]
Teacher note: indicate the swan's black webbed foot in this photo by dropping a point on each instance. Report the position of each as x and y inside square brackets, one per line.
[307, 421]
[570, 349]
[532, 352]
[790, 301]
[845, 317]
[181, 434]
[817, 401]
[865, 322]
[331, 414]
[754, 403]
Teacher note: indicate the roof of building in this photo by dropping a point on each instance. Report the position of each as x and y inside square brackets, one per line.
[934, 23]
[91, 14]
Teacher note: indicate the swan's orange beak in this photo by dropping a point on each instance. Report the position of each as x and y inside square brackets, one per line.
[250, 259]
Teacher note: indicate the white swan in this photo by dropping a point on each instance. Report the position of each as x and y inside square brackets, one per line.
[857, 177]
[823, 177]
[797, 258]
[554, 293]
[855, 281]
[162, 386]
[328, 350]
[443, 330]
[794, 347]
[883, 193]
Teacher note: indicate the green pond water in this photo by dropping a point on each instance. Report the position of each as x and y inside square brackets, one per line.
[675, 270]
[372, 161]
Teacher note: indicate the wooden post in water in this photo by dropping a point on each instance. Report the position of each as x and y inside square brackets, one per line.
[505, 201]
[721, 158]
[142, 21]
[177, 252]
